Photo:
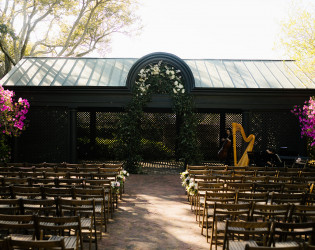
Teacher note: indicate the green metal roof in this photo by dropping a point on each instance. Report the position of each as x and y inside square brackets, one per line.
[112, 72]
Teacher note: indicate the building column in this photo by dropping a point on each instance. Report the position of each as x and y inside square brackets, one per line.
[73, 135]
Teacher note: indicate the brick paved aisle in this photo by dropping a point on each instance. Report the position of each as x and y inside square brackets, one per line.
[154, 214]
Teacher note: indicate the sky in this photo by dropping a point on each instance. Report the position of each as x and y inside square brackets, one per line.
[208, 29]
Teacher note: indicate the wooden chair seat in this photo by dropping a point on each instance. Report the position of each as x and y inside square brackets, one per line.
[298, 247]
[240, 245]
[286, 244]
[21, 237]
[70, 241]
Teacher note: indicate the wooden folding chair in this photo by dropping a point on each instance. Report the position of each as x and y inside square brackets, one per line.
[10, 206]
[267, 212]
[102, 205]
[302, 213]
[268, 187]
[42, 207]
[53, 228]
[27, 192]
[52, 193]
[17, 181]
[210, 199]
[246, 233]
[223, 212]
[285, 198]
[86, 210]
[12, 244]
[17, 226]
[259, 198]
[291, 234]
[68, 183]
[202, 187]
[240, 187]
[296, 188]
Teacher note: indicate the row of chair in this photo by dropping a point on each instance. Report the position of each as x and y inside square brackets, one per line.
[267, 188]
[28, 228]
[11, 244]
[251, 168]
[246, 173]
[267, 235]
[60, 164]
[43, 193]
[56, 182]
[56, 169]
[249, 179]
[255, 187]
[252, 211]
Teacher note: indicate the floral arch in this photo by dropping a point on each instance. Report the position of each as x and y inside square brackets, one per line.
[158, 73]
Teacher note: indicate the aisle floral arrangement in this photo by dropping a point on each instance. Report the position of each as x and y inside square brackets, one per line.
[115, 187]
[120, 180]
[122, 176]
[188, 183]
[185, 178]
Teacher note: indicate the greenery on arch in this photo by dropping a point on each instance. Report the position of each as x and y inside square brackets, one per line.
[159, 78]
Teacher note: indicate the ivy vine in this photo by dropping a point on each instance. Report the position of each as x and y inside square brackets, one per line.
[159, 78]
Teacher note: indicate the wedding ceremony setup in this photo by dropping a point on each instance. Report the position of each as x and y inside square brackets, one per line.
[90, 122]
[157, 125]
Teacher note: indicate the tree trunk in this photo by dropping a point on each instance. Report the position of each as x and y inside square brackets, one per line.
[7, 65]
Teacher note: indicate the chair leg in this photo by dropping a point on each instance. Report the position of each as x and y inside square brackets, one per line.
[203, 221]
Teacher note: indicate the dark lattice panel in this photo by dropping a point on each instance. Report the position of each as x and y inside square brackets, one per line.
[158, 136]
[240, 144]
[106, 129]
[276, 130]
[83, 135]
[46, 139]
[208, 134]
[95, 135]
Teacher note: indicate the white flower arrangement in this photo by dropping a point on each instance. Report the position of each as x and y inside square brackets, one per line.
[164, 71]
[184, 175]
[185, 182]
[124, 173]
[121, 178]
[115, 187]
[191, 188]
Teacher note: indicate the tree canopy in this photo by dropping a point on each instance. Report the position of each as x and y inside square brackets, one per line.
[298, 39]
[61, 27]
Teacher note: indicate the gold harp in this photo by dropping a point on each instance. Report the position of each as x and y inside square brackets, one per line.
[244, 161]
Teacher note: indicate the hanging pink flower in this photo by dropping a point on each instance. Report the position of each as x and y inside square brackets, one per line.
[12, 115]
[306, 115]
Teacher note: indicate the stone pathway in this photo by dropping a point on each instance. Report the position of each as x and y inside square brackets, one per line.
[154, 214]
